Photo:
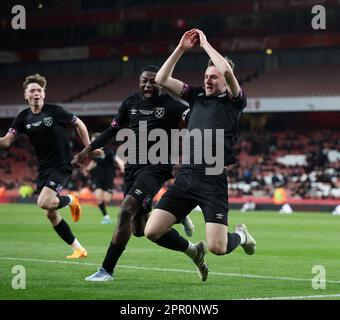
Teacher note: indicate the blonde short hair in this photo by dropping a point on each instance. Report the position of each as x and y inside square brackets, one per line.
[35, 78]
[232, 64]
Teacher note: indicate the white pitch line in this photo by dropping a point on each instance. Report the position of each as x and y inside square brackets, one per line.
[170, 270]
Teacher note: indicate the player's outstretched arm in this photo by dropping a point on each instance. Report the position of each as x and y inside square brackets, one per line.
[80, 157]
[7, 140]
[164, 75]
[90, 149]
[220, 63]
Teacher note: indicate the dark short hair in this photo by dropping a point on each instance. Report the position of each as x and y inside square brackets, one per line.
[35, 78]
[232, 64]
[151, 68]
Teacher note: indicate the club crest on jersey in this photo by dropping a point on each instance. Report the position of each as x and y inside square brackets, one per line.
[159, 112]
[48, 121]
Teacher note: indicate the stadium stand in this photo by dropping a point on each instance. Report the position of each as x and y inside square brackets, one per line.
[284, 82]
[295, 81]
[59, 88]
[261, 168]
[84, 64]
[312, 169]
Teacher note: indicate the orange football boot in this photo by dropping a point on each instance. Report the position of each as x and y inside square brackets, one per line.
[75, 206]
[78, 253]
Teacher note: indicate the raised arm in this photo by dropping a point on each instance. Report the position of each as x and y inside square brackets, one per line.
[220, 63]
[164, 75]
[7, 140]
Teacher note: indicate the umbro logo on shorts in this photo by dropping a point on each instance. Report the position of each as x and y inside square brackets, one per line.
[219, 216]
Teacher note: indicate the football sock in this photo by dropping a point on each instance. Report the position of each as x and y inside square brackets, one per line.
[102, 208]
[242, 236]
[76, 244]
[112, 256]
[234, 240]
[173, 241]
[191, 251]
[64, 232]
[63, 201]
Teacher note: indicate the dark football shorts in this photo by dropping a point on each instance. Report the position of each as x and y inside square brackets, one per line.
[193, 187]
[54, 179]
[144, 182]
[102, 181]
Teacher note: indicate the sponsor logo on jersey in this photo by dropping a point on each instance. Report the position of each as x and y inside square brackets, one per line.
[146, 112]
[35, 124]
[159, 112]
[48, 121]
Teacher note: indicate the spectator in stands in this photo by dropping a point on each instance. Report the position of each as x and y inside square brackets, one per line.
[45, 125]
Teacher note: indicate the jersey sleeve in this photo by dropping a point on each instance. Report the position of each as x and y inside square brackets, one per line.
[241, 100]
[64, 117]
[190, 93]
[179, 111]
[18, 125]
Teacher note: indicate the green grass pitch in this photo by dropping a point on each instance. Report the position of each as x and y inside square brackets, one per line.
[288, 247]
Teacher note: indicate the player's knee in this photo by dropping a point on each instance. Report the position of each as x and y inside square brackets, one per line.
[43, 203]
[124, 216]
[138, 223]
[151, 233]
[217, 248]
[52, 216]
[128, 210]
[46, 203]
